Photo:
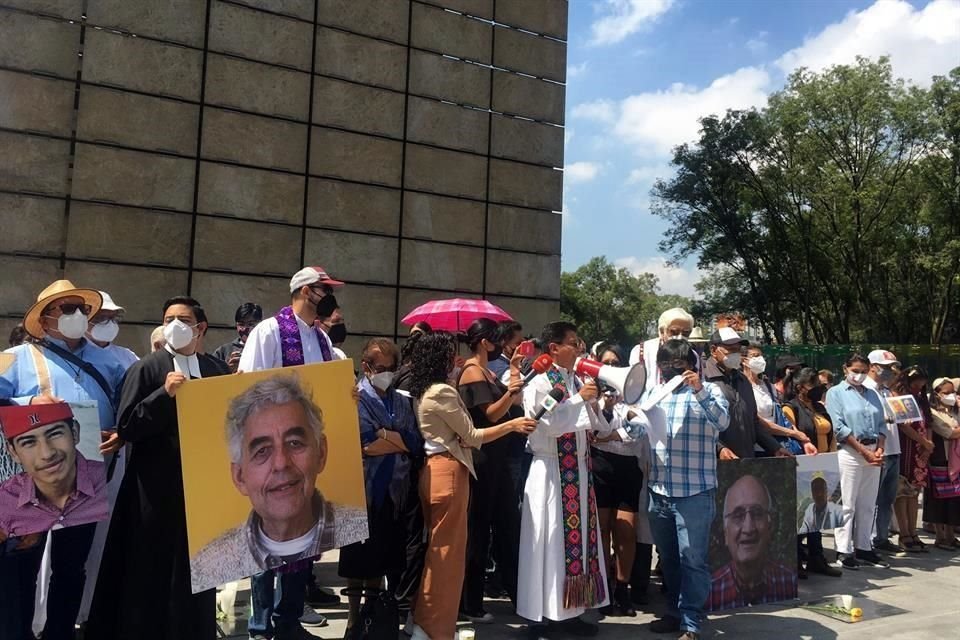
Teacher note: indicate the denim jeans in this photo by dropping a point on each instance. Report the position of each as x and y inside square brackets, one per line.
[681, 529]
[886, 496]
[18, 583]
[274, 609]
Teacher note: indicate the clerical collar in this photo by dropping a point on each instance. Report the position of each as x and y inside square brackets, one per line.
[188, 365]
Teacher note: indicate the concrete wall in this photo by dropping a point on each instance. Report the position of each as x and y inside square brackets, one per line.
[212, 147]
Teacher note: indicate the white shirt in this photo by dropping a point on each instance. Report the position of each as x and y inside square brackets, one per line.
[891, 447]
[764, 400]
[290, 547]
[187, 365]
[263, 349]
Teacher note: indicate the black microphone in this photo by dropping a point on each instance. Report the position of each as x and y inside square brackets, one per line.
[550, 402]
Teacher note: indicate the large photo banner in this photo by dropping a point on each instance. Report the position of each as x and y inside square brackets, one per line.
[753, 545]
[58, 475]
[272, 469]
[819, 503]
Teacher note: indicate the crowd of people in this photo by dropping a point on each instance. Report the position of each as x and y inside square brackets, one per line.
[483, 478]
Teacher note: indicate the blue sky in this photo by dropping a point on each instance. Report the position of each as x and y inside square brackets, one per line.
[640, 73]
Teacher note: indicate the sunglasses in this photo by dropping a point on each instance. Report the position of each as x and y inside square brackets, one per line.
[68, 308]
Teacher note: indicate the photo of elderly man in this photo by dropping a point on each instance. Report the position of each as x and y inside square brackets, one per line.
[275, 436]
[752, 576]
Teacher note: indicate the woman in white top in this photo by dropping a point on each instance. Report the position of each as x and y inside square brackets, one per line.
[753, 367]
[616, 481]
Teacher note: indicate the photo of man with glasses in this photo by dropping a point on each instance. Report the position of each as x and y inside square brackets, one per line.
[751, 576]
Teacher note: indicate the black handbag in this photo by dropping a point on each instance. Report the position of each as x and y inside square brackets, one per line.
[379, 618]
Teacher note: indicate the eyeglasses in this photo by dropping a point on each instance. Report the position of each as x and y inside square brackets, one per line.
[324, 289]
[379, 368]
[739, 515]
[69, 308]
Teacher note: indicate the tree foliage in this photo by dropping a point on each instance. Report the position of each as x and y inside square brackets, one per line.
[609, 303]
[837, 208]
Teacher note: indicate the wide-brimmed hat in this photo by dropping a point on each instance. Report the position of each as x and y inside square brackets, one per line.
[696, 336]
[57, 290]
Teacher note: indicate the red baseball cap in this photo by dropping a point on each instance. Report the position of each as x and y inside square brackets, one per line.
[16, 420]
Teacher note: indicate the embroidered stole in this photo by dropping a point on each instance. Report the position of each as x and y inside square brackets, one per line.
[583, 584]
[291, 347]
[291, 352]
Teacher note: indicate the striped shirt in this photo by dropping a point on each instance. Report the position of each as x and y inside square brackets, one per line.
[683, 431]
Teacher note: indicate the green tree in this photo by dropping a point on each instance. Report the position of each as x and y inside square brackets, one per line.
[610, 303]
[834, 208]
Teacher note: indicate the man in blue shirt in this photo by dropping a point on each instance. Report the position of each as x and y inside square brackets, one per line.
[685, 422]
[61, 366]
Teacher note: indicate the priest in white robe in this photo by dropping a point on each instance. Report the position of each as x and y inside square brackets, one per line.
[562, 570]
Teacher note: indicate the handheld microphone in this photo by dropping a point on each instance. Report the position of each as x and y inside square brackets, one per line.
[549, 403]
[541, 365]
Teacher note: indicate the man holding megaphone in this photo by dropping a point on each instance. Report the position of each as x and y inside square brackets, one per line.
[561, 572]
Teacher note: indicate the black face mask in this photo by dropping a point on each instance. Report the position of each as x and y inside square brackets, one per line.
[816, 394]
[496, 353]
[337, 333]
[326, 306]
[669, 373]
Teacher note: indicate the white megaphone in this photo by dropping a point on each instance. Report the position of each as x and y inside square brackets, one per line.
[628, 381]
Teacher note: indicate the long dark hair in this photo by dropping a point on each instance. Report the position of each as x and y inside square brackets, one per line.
[803, 377]
[431, 361]
[479, 330]
[901, 386]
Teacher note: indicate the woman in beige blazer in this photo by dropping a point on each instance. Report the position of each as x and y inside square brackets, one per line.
[449, 435]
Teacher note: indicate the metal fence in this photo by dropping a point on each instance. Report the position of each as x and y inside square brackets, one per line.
[937, 360]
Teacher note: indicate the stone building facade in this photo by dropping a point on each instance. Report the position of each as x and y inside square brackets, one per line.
[212, 147]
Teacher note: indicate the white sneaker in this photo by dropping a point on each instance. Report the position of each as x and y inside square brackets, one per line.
[311, 618]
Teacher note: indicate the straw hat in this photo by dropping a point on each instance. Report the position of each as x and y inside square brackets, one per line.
[57, 290]
[696, 335]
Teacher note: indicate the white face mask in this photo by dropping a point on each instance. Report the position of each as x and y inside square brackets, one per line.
[757, 364]
[178, 334]
[950, 399]
[732, 361]
[383, 380]
[105, 331]
[73, 326]
[856, 379]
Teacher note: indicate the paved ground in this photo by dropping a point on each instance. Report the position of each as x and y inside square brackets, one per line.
[926, 586]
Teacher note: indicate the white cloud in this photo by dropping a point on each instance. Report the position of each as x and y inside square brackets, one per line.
[659, 120]
[578, 172]
[599, 110]
[757, 44]
[577, 70]
[676, 280]
[646, 175]
[920, 42]
[622, 18]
